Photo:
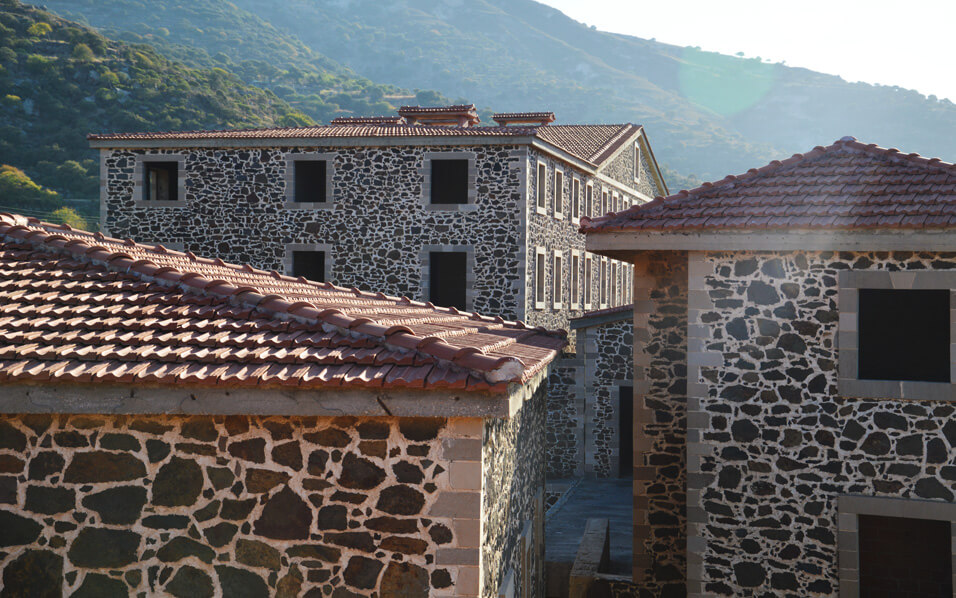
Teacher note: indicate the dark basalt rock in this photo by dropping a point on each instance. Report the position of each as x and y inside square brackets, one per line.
[357, 540]
[793, 343]
[762, 293]
[257, 554]
[119, 442]
[100, 466]
[239, 583]
[318, 461]
[236, 424]
[156, 450]
[373, 430]
[208, 512]
[288, 454]
[220, 477]
[290, 586]
[38, 422]
[441, 579]
[121, 505]
[259, 481]
[420, 429]
[362, 573]
[149, 426]
[749, 575]
[97, 585]
[12, 438]
[404, 580]
[932, 488]
[393, 525]
[71, 439]
[253, 450]
[220, 534]
[181, 547]
[440, 533]
[50, 501]
[744, 430]
[330, 437]
[400, 500]
[178, 483]
[332, 517]
[166, 522]
[34, 574]
[404, 545]
[360, 474]
[100, 548]
[876, 443]
[408, 473]
[237, 509]
[373, 448]
[889, 421]
[910, 445]
[201, 429]
[350, 497]
[278, 430]
[285, 517]
[315, 551]
[8, 490]
[16, 530]
[190, 582]
[45, 464]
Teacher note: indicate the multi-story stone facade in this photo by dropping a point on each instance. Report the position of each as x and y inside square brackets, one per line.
[187, 427]
[793, 339]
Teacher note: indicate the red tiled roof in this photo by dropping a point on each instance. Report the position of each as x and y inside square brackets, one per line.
[847, 185]
[81, 307]
[591, 143]
[539, 118]
[367, 120]
[455, 109]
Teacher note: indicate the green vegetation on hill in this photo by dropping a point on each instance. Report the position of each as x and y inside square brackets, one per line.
[62, 81]
[216, 33]
[20, 194]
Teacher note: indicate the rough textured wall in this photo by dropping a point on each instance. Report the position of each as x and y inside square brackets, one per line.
[562, 433]
[236, 210]
[237, 506]
[779, 444]
[660, 440]
[551, 233]
[609, 364]
[512, 497]
[621, 169]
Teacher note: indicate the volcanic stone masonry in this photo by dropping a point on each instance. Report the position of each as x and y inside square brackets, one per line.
[254, 506]
[778, 444]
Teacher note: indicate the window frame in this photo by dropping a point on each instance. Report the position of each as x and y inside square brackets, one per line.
[289, 177]
[291, 248]
[139, 180]
[575, 199]
[575, 282]
[541, 188]
[638, 170]
[603, 279]
[588, 282]
[425, 272]
[604, 200]
[425, 171]
[540, 278]
[849, 383]
[558, 193]
[557, 279]
[589, 200]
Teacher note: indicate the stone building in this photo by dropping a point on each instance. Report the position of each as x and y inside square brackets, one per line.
[793, 335]
[178, 425]
[427, 204]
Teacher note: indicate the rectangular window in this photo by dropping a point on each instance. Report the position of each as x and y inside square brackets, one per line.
[542, 186]
[558, 194]
[162, 181]
[575, 280]
[613, 283]
[588, 280]
[446, 278]
[904, 335]
[603, 203]
[900, 552]
[310, 182]
[449, 181]
[575, 199]
[602, 280]
[539, 279]
[589, 200]
[558, 279]
[637, 163]
[310, 264]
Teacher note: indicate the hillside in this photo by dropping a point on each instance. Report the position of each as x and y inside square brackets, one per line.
[61, 81]
[706, 114]
[216, 33]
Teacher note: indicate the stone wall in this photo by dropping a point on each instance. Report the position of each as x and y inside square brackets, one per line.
[777, 443]
[513, 471]
[660, 415]
[235, 208]
[237, 506]
[621, 169]
[565, 421]
[609, 364]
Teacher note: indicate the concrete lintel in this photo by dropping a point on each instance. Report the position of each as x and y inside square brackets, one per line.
[116, 399]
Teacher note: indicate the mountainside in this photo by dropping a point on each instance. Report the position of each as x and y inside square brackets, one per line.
[706, 113]
[216, 33]
[61, 81]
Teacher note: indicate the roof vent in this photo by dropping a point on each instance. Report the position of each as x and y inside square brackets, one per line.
[537, 119]
[367, 120]
[464, 115]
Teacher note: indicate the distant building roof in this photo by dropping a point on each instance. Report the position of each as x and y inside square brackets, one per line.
[602, 316]
[81, 307]
[847, 185]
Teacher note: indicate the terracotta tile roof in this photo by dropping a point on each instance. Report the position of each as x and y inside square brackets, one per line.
[847, 185]
[600, 316]
[76, 306]
[455, 109]
[539, 118]
[591, 143]
[367, 120]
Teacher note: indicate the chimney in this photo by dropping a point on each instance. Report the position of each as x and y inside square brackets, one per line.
[536, 119]
[367, 120]
[464, 115]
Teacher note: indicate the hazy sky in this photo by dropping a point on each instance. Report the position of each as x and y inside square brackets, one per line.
[910, 44]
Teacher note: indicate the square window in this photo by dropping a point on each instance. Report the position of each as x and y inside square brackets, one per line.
[310, 264]
[309, 181]
[447, 278]
[542, 187]
[162, 181]
[904, 335]
[449, 181]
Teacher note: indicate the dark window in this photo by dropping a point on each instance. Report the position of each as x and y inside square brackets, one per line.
[162, 181]
[626, 431]
[904, 335]
[310, 264]
[309, 181]
[449, 181]
[905, 557]
[446, 273]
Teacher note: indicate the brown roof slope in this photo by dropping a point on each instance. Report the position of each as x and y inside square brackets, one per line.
[847, 185]
[76, 306]
[591, 143]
